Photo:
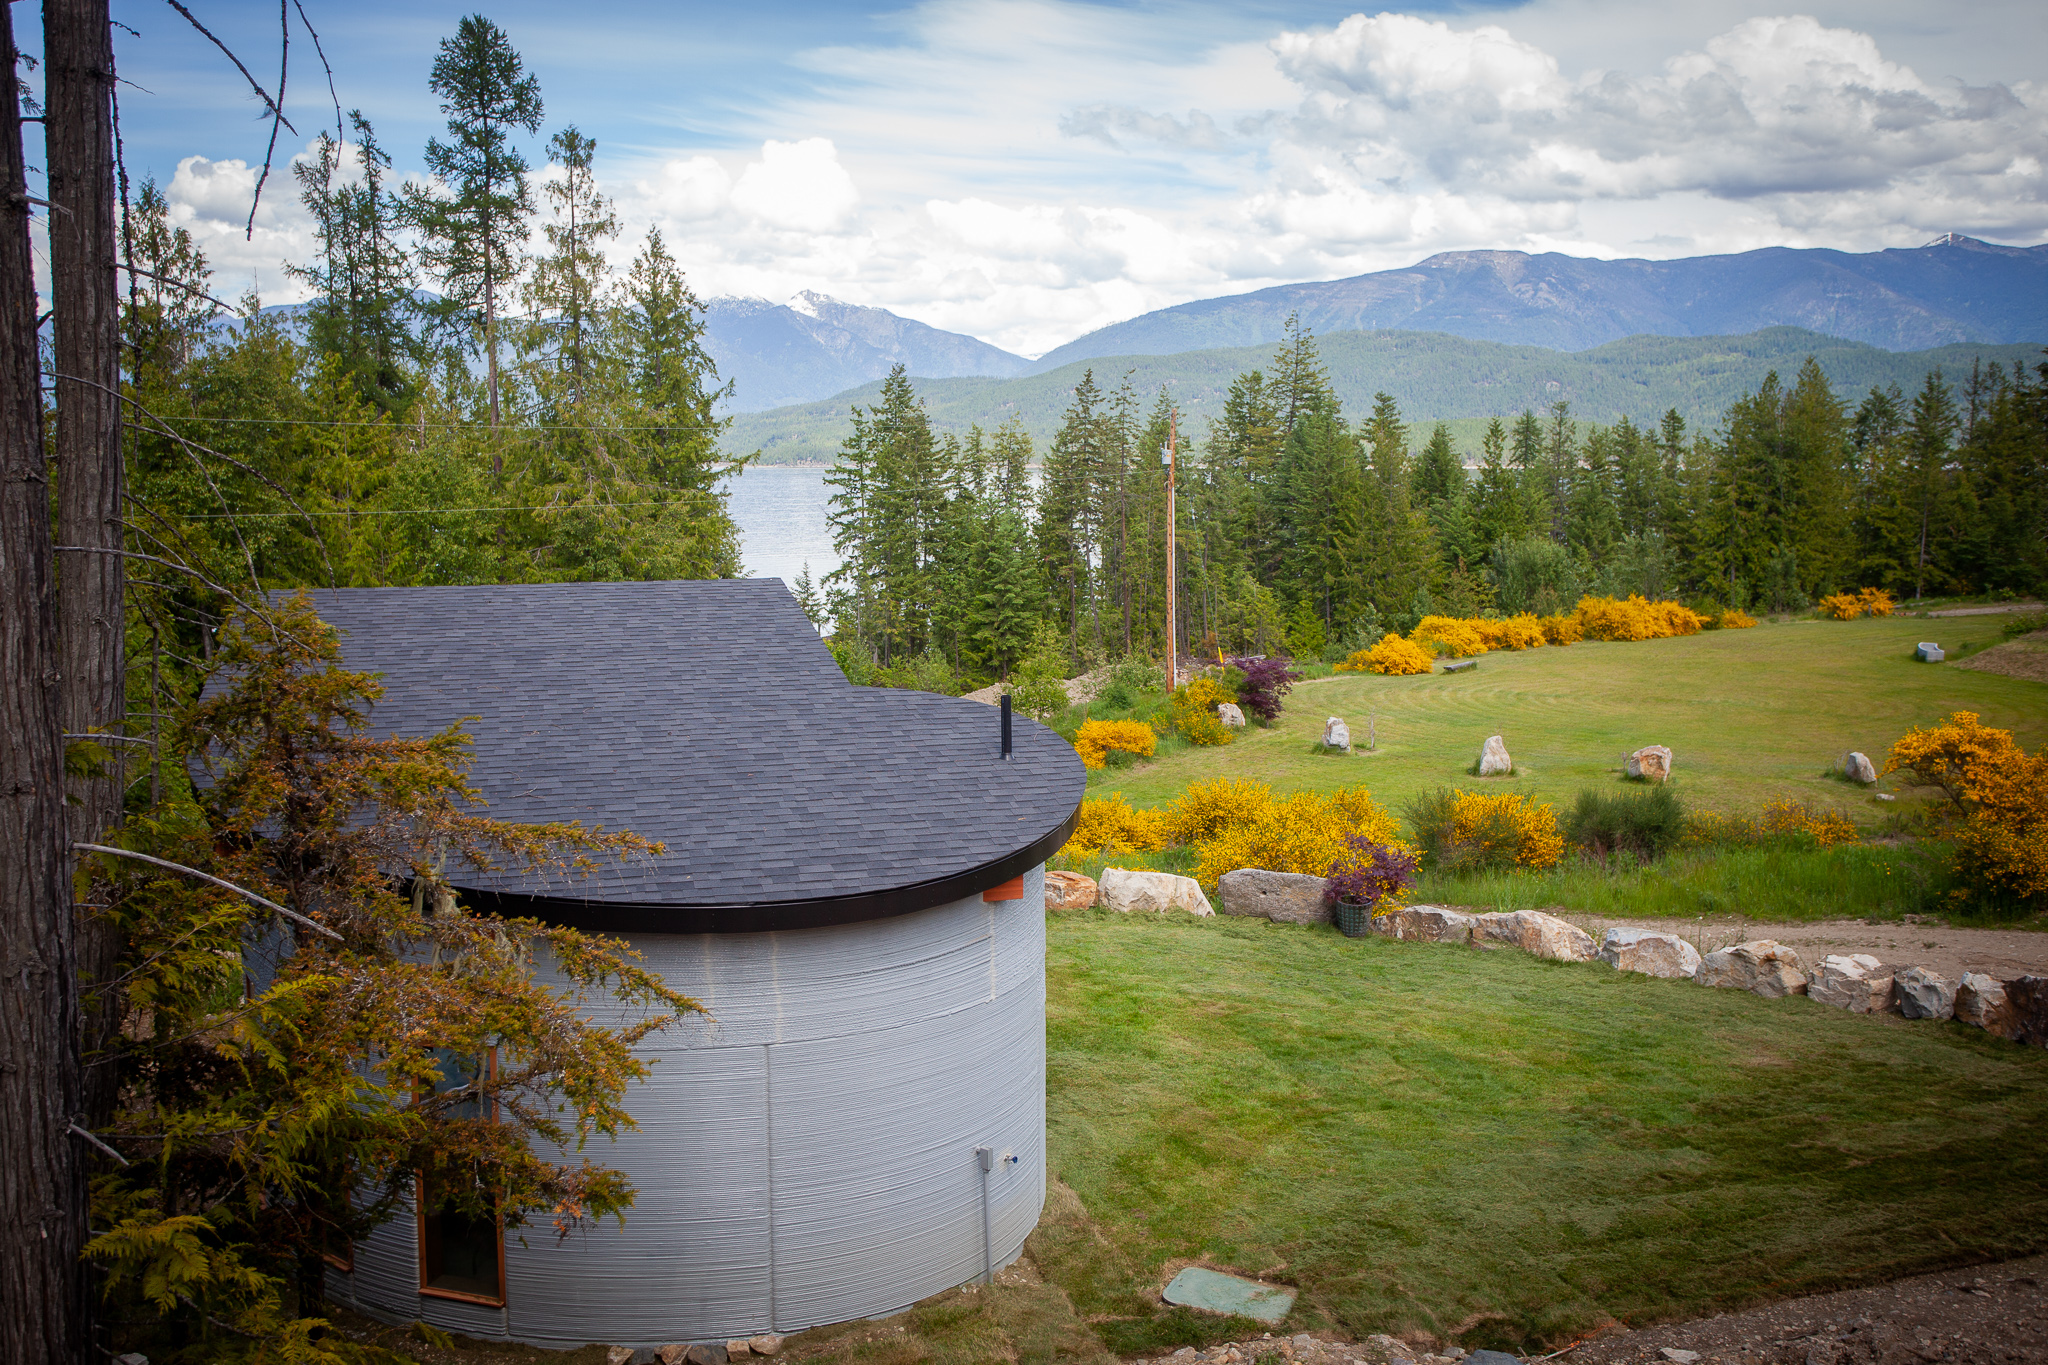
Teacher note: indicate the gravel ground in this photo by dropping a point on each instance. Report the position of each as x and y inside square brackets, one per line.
[1986, 1315]
[2003, 953]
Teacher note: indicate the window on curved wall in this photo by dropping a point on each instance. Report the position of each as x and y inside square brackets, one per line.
[461, 1239]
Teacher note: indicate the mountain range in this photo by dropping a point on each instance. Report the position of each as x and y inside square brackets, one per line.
[1951, 291]
[1433, 375]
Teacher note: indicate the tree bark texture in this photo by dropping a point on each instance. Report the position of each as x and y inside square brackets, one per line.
[86, 354]
[42, 1191]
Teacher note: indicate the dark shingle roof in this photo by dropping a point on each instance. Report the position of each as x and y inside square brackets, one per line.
[708, 715]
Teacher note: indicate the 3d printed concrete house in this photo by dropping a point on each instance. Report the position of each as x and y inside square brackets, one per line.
[853, 887]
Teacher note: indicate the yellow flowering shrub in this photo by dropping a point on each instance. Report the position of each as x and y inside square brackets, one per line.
[1561, 630]
[1735, 619]
[1520, 632]
[1997, 791]
[1875, 602]
[1206, 809]
[1392, 655]
[1194, 711]
[1450, 635]
[1307, 833]
[1843, 606]
[1094, 740]
[1633, 618]
[1825, 827]
[1113, 825]
[1460, 829]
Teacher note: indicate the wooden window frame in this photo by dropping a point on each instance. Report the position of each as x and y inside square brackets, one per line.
[419, 1206]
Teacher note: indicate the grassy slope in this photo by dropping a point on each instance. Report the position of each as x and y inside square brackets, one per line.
[1749, 714]
[1506, 1150]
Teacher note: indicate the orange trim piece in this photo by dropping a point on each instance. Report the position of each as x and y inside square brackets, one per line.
[1011, 890]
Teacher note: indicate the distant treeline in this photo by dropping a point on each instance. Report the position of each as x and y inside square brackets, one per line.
[1301, 528]
[1456, 380]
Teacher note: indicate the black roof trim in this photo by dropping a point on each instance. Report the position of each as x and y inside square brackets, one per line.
[616, 917]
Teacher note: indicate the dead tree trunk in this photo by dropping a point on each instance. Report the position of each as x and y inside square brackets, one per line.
[86, 354]
[42, 1191]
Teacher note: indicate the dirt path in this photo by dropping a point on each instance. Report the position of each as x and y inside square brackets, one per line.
[1986, 1315]
[2003, 953]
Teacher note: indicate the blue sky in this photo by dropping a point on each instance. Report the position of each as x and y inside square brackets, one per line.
[1026, 170]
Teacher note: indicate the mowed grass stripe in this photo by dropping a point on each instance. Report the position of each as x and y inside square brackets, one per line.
[1484, 1143]
[1751, 715]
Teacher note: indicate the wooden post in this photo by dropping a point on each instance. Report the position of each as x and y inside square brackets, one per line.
[1172, 639]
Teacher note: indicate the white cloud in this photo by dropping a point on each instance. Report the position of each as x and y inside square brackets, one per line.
[797, 186]
[210, 199]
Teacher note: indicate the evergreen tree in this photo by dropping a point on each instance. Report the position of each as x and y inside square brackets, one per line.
[567, 285]
[1497, 512]
[1930, 437]
[473, 220]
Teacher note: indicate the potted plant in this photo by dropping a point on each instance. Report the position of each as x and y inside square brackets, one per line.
[1362, 879]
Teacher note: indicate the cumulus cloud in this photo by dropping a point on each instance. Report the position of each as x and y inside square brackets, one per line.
[211, 199]
[797, 186]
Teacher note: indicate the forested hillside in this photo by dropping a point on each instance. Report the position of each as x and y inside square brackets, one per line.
[1308, 525]
[1439, 378]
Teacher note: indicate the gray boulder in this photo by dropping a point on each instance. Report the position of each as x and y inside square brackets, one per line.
[1427, 923]
[1336, 735]
[2028, 996]
[1927, 652]
[1856, 982]
[1981, 1000]
[1858, 768]
[1127, 889]
[1924, 995]
[1282, 897]
[1535, 932]
[1652, 763]
[1229, 714]
[1760, 967]
[1649, 952]
[766, 1344]
[1493, 758]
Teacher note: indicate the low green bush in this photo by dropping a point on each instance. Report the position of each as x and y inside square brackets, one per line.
[1648, 823]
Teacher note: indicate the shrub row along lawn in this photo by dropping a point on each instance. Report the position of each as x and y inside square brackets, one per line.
[1752, 715]
[1501, 1150]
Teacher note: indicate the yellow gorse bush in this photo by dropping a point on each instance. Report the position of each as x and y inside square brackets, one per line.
[1308, 833]
[1847, 606]
[1998, 792]
[1112, 825]
[1392, 655]
[1507, 828]
[1735, 618]
[1451, 635]
[1094, 740]
[1561, 630]
[1825, 827]
[1206, 809]
[1517, 632]
[1194, 711]
[1633, 618]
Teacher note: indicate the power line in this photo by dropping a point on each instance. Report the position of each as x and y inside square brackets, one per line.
[439, 426]
[435, 511]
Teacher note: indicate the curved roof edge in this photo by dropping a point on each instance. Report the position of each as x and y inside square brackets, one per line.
[622, 917]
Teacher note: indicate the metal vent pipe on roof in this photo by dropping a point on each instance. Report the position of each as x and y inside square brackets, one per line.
[1006, 725]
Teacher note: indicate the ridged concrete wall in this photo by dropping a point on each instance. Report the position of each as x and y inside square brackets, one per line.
[805, 1156]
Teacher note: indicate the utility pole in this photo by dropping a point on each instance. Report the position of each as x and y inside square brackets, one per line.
[1172, 642]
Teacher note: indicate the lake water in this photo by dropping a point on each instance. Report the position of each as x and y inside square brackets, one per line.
[780, 510]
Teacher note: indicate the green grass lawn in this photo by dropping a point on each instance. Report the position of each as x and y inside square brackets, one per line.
[1501, 1150]
[1749, 714]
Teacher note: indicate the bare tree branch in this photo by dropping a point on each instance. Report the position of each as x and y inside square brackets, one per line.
[284, 66]
[264, 901]
[261, 93]
[332, 93]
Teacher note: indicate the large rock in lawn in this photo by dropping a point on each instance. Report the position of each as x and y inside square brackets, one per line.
[1649, 952]
[1070, 891]
[1981, 1000]
[1493, 758]
[1230, 714]
[1858, 768]
[1126, 889]
[1759, 966]
[1535, 932]
[1856, 982]
[1426, 923]
[1336, 734]
[1282, 897]
[2028, 996]
[1652, 763]
[1924, 995]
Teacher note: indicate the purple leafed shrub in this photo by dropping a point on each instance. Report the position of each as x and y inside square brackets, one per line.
[1369, 873]
[1266, 680]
